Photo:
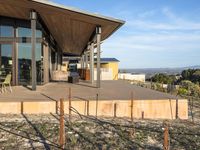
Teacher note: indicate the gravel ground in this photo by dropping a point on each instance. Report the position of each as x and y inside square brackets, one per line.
[40, 132]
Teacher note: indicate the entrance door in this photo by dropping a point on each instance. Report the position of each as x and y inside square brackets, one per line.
[24, 63]
[6, 60]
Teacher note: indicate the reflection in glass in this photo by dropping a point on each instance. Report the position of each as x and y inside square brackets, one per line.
[6, 31]
[24, 63]
[5, 60]
[27, 32]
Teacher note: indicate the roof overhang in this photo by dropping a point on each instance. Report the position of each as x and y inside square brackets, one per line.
[70, 27]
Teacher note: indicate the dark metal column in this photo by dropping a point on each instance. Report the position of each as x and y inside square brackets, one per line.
[98, 36]
[33, 17]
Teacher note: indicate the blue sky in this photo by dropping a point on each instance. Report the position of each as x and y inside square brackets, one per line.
[157, 33]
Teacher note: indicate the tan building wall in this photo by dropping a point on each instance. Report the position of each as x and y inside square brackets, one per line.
[112, 65]
[152, 109]
[115, 68]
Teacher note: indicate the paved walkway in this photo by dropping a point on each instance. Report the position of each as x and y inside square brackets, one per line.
[110, 90]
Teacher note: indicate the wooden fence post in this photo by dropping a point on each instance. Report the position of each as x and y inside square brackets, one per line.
[56, 107]
[142, 114]
[88, 107]
[22, 108]
[166, 136]
[97, 99]
[132, 106]
[70, 104]
[62, 125]
[115, 110]
[177, 108]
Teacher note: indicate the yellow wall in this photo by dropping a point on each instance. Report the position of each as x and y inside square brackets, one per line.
[114, 67]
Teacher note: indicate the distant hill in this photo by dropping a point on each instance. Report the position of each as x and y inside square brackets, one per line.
[152, 71]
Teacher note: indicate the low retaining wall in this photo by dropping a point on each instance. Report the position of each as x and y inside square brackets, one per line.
[151, 109]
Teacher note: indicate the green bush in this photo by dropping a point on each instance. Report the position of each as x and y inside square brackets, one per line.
[182, 91]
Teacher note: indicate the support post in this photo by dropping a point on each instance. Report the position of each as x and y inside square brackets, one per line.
[46, 63]
[177, 108]
[142, 114]
[98, 36]
[33, 17]
[115, 110]
[166, 136]
[62, 125]
[83, 60]
[82, 65]
[56, 107]
[97, 99]
[70, 104]
[88, 107]
[22, 108]
[131, 106]
[86, 61]
[92, 63]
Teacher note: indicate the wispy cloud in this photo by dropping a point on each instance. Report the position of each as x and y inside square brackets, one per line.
[174, 22]
[146, 14]
[156, 42]
[172, 40]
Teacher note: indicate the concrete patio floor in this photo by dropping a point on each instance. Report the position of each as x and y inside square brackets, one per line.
[110, 90]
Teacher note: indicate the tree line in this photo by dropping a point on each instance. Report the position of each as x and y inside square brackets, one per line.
[188, 81]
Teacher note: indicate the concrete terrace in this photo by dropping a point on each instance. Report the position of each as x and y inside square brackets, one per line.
[110, 90]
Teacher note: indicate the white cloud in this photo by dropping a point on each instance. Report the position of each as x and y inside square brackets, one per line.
[146, 14]
[174, 22]
[143, 41]
[155, 42]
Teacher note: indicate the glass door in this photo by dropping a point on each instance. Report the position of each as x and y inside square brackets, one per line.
[6, 60]
[24, 63]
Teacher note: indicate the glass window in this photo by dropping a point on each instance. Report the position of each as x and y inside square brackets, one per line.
[24, 63]
[5, 60]
[24, 32]
[27, 32]
[39, 34]
[6, 31]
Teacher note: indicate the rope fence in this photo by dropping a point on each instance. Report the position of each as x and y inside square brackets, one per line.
[166, 135]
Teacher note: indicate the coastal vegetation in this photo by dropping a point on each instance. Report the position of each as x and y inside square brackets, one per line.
[186, 83]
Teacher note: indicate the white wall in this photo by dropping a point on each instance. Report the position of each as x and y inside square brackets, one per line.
[106, 74]
[133, 77]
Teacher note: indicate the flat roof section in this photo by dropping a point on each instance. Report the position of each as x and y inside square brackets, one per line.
[110, 90]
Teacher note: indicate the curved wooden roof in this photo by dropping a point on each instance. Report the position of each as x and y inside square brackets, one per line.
[70, 27]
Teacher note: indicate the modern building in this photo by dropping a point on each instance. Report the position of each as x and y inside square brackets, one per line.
[35, 34]
[109, 69]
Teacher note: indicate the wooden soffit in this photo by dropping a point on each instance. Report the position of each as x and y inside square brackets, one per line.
[71, 28]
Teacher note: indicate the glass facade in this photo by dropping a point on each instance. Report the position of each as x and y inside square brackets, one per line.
[5, 60]
[15, 59]
[24, 63]
[6, 31]
[26, 32]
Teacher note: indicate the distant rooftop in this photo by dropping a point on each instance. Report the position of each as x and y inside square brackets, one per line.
[106, 60]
